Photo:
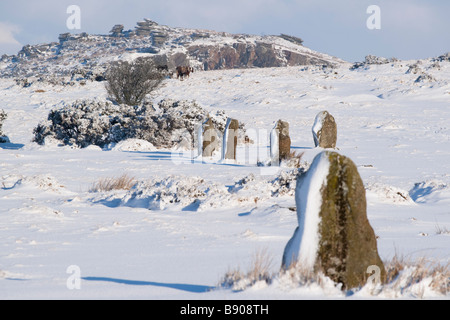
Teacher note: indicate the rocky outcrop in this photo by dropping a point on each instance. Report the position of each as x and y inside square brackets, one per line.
[117, 30]
[201, 49]
[334, 236]
[250, 54]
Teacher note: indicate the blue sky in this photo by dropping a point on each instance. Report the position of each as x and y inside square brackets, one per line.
[410, 29]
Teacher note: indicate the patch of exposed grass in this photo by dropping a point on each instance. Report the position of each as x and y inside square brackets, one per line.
[260, 270]
[124, 182]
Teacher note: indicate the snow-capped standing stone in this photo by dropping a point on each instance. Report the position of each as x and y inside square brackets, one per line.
[325, 130]
[230, 140]
[3, 138]
[334, 235]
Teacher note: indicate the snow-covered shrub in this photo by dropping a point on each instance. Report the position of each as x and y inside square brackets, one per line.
[424, 77]
[186, 192]
[414, 68]
[371, 60]
[94, 122]
[3, 116]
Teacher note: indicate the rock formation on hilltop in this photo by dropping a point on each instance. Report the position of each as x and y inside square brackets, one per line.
[84, 57]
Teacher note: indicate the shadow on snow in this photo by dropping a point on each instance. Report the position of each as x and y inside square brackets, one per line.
[178, 286]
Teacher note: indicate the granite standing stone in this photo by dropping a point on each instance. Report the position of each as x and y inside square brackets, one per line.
[325, 130]
[280, 142]
[334, 235]
[210, 139]
[230, 139]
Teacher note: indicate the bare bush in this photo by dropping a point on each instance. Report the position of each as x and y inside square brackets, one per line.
[130, 82]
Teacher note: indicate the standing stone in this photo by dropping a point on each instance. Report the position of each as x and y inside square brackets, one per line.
[209, 142]
[334, 235]
[285, 140]
[230, 139]
[3, 116]
[325, 130]
[280, 142]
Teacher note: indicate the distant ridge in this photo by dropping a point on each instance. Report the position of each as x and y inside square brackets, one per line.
[84, 55]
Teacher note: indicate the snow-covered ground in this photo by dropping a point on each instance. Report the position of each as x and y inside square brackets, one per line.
[395, 129]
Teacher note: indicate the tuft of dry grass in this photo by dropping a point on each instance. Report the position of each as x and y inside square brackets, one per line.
[298, 275]
[260, 266]
[294, 159]
[404, 277]
[418, 271]
[124, 182]
[442, 230]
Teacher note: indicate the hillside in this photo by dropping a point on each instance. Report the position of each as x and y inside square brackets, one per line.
[185, 222]
[78, 57]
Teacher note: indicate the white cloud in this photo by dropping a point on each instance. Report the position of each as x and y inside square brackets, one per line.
[8, 42]
[7, 32]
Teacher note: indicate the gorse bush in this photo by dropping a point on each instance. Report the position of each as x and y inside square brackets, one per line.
[102, 123]
[130, 82]
[95, 122]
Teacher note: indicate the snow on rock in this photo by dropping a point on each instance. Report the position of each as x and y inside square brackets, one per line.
[230, 140]
[304, 244]
[274, 145]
